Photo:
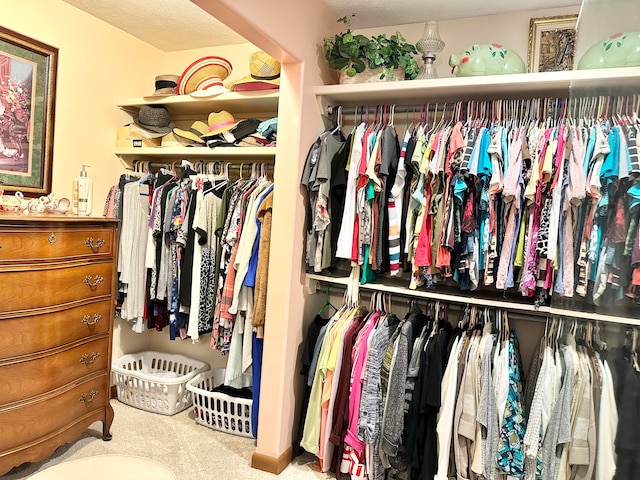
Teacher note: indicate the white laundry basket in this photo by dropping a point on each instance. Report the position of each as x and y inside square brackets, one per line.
[218, 410]
[155, 381]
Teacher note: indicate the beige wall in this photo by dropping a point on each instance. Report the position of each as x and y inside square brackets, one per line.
[510, 30]
[98, 63]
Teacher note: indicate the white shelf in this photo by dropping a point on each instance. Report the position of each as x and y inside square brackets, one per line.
[184, 109]
[611, 81]
[470, 298]
[194, 153]
[241, 103]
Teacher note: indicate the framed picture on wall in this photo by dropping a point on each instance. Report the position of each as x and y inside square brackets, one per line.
[28, 70]
[552, 43]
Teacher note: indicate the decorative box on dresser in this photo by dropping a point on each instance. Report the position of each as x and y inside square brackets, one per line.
[57, 277]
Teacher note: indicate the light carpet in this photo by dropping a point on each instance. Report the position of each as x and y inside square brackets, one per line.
[107, 467]
[190, 450]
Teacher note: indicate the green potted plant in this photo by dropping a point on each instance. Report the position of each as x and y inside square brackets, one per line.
[355, 54]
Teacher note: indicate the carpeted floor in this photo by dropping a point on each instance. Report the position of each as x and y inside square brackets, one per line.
[107, 467]
[192, 451]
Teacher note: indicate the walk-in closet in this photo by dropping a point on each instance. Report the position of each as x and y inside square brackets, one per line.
[427, 278]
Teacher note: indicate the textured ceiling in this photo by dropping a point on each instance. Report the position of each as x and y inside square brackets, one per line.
[173, 25]
[170, 25]
[378, 13]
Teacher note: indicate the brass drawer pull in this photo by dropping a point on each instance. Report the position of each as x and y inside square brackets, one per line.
[89, 397]
[93, 283]
[94, 246]
[88, 360]
[86, 319]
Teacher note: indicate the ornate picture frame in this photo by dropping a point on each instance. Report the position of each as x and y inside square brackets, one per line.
[552, 43]
[28, 71]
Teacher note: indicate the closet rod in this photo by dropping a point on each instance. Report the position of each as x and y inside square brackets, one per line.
[432, 106]
[231, 165]
[611, 103]
[543, 311]
[513, 315]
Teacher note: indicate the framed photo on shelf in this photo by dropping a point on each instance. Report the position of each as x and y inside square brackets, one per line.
[28, 70]
[552, 43]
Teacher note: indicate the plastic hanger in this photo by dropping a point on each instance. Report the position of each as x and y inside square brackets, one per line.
[634, 349]
[327, 303]
[337, 119]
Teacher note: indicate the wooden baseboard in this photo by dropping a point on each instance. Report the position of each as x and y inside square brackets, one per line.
[272, 464]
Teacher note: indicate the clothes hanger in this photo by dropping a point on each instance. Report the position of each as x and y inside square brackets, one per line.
[597, 339]
[337, 119]
[634, 349]
[327, 303]
[436, 319]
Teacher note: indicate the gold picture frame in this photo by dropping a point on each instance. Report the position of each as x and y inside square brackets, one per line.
[28, 71]
[552, 43]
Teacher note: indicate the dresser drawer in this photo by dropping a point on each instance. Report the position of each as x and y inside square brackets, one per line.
[40, 243]
[35, 333]
[25, 424]
[46, 286]
[27, 379]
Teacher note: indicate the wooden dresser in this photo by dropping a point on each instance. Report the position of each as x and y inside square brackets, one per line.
[57, 280]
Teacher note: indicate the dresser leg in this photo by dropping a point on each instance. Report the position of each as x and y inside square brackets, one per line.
[106, 426]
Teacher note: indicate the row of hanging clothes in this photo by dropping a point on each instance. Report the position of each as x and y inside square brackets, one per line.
[436, 395]
[541, 196]
[193, 255]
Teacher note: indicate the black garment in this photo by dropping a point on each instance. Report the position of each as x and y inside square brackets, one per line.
[627, 393]
[409, 173]
[234, 392]
[338, 192]
[390, 155]
[429, 406]
[311, 338]
[186, 269]
[421, 417]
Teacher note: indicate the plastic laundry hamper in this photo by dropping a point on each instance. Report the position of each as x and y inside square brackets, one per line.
[156, 381]
[218, 410]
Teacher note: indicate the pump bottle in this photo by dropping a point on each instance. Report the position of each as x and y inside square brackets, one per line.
[82, 194]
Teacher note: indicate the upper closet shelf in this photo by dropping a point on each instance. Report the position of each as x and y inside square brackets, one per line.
[526, 308]
[236, 103]
[610, 81]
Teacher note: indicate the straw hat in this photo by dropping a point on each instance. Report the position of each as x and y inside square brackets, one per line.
[165, 85]
[194, 133]
[202, 70]
[209, 87]
[131, 136]
[219, 122]
[171, 139]
[154, 118]
[264, 74]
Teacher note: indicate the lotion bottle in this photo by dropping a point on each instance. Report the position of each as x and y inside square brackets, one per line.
[82, 193]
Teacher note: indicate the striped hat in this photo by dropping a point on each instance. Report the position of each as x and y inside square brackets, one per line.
[201, 71]
[209, 87]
